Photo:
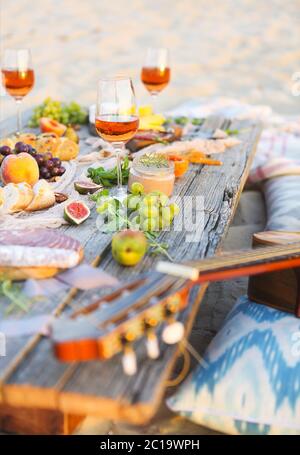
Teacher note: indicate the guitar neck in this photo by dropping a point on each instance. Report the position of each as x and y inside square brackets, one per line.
[223, 267]
[244, 263]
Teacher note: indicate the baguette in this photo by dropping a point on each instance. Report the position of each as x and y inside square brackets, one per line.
[16, 197]
[43, 197]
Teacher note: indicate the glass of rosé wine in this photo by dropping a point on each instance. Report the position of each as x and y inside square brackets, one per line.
[116, 117]
[156, 72]
[17, 77]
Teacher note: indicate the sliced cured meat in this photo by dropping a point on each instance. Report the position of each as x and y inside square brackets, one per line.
[37, 253]
[38, 237]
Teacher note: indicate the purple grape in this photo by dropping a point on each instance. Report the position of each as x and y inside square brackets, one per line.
[39, 159]
[56, 162]
[49, 165]
[47, 175]
[33, 152]
[20, 147]
[44, 173]
[5, 150]
[55, 171]
[62, 170]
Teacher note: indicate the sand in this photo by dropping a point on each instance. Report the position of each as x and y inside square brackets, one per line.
[247, 49]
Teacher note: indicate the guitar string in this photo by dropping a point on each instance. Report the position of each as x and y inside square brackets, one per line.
[187, 350]
[184, 371]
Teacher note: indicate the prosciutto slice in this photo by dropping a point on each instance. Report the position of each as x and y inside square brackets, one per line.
[38, 248]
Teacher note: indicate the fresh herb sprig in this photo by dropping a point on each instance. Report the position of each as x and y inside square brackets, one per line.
[15, 296]
[109, 177]
[231, 132]
[183, 120]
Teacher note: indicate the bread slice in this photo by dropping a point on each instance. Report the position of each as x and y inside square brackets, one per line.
[26, 193]
[43, 197]
[16, 197]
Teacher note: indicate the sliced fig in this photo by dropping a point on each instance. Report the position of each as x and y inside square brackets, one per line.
[86, 187]
[76, 212]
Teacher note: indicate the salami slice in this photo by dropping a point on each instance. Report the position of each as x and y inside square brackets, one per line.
[37, 253]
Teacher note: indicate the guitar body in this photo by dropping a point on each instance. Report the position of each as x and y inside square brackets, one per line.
[280, 289]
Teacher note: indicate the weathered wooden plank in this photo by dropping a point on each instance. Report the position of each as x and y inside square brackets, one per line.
[101, 388]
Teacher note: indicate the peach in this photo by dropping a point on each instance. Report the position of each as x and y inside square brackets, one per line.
[48, 125]
[20, 168]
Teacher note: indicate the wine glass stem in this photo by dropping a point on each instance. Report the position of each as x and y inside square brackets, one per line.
[118, 149]
[154, 101]
[19, 116]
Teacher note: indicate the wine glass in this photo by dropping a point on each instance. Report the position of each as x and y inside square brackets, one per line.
[156, 71]
[116, 118]
[17, 77]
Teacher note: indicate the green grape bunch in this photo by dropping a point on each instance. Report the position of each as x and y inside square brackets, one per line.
[68, 114]
[150, 213]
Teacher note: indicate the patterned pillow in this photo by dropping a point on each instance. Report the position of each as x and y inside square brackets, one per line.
[251, 380]
[282, 196]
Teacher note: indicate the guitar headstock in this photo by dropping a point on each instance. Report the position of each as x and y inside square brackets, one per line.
[117, 320]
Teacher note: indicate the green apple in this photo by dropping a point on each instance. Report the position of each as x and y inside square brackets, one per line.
[129, 247]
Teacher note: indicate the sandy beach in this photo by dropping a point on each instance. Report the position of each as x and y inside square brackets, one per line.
[247, 49]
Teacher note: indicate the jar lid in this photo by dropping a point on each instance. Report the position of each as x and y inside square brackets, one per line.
[153, 164]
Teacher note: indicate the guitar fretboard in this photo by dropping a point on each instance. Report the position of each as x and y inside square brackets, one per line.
[241, 259]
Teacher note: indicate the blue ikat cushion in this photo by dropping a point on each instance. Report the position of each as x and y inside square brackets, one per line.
[249, 382]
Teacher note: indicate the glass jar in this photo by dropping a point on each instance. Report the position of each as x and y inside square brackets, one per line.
[155, 172]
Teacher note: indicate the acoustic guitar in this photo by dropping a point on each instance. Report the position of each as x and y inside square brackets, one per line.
[137, 309]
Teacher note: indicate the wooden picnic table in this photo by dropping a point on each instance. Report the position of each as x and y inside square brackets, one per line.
[39, 394]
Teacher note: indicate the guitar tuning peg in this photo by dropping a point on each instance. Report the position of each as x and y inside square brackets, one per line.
[152, 345]
[129, 362]
[173, 332]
